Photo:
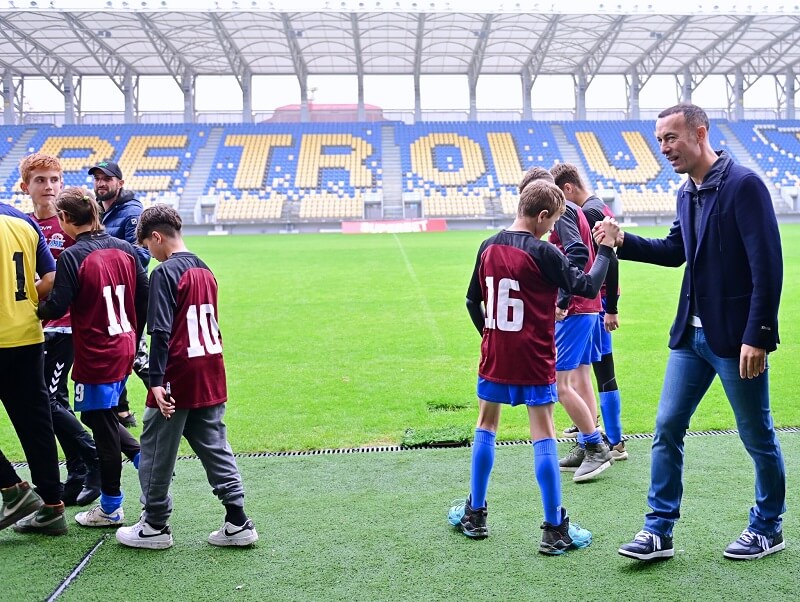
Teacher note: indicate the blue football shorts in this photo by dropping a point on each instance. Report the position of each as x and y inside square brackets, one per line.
[605, 336]
[98, 397]
[577, 341]
[514, 395]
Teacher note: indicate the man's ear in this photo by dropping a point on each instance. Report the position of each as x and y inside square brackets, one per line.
[24, 187]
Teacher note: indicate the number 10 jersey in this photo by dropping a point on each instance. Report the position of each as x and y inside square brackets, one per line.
[185, 344]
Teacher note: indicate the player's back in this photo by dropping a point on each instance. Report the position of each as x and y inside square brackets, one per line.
[103, 311]
[184, 295]
[518, 342]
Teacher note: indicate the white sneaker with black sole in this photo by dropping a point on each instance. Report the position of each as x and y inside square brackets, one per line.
[142, 535]
[233, 535]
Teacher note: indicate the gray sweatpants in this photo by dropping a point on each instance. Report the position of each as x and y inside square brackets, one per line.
[207, 435]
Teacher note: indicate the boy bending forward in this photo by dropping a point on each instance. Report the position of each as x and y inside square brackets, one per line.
[186, 354]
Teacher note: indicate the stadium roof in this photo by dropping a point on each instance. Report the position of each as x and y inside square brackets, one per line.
[255, 37]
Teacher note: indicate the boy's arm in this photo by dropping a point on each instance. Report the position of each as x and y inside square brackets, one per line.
[65, 288]
[475, 296]
[572, 279]
[160, 311]
[577, 253]
[140, 300]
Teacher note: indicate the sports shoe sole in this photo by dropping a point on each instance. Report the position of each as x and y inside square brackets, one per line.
[590, 475]
[568, 468]
[619, 456]
[657, 555]
[21, 512]
[227, 542]
[772, 550]
[145, 544]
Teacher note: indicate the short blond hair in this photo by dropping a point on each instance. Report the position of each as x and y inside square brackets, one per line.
[533, 174]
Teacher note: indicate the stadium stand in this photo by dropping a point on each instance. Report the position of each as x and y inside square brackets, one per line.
[320, 172]
[310, 171]
[471, 169]
[156, 160]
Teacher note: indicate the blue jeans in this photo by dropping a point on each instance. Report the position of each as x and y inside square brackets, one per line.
[690, 370]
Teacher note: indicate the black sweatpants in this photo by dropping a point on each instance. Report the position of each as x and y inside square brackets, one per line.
[24, 395]
[111, 439]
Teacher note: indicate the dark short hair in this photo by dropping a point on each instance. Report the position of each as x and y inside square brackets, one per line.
[534, 173]
[694, 115]
[158, 217]
[566, 173]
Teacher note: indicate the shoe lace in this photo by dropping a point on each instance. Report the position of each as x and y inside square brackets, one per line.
[644, 537]
[748, 537]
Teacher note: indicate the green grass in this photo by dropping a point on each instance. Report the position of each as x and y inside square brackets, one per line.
[339, 341]
[373, 527]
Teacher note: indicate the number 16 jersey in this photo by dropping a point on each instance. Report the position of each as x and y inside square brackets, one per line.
[517, 277]
[185, 344]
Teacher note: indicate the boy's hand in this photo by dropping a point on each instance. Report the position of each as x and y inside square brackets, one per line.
[165, 404]
[561, 314]
[608, 233]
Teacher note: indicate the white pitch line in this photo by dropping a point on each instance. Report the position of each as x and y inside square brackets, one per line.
[423, 300]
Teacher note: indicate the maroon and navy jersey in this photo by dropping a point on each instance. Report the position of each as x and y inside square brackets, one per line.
[100, 280]
[185, 344]
[573, 236]
[57, 241]
[595, 211]
[517, 277]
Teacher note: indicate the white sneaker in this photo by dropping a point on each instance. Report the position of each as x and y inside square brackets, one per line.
[142, 535]
[97, 518]
[231, 535]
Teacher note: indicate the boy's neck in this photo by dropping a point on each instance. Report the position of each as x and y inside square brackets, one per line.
[175, 245]
[44, 210]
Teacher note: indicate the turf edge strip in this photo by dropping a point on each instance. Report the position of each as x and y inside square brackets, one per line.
[76, 571]
[402, 448]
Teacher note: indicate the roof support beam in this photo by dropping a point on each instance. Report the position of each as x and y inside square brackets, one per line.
[239, 66]
[590, 65]
[420, 40]
[130, 90]
[705, 63]
[112, 63]
[532, 66]
[46, 63]
[173, 60]
[633, 85]
[475, 64]
[652, 58]
[359, 64]
[300, 67]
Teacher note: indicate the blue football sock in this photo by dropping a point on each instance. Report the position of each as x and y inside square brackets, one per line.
[595, 437]
[581, 438]
[611, 408]
[109, 503]
[135, 460]
[482, 462]
[545, 467]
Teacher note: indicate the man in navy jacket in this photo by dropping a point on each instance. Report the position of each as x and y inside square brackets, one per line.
[120, 218]
[727, 321]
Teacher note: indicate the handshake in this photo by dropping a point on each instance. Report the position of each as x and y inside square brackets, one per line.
[608, 233]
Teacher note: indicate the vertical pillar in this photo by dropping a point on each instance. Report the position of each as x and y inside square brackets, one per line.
[686, 86]
[789, 90]
[247, 98]
[472, 82]
[128, 93]
[187, 86]
[361, 111]
[527, 87]
[417, 99]
[738, 96]
[9, 93]
[634, 87]
[580, 96]
[69, 98]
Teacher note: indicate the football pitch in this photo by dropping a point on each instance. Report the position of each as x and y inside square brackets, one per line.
[336, 341]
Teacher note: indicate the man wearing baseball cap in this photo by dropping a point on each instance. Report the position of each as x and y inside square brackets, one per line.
[121, 211]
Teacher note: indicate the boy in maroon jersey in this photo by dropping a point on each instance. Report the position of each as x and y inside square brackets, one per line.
[42, 179]
[511, 300]
[100, 280]
[185, 361]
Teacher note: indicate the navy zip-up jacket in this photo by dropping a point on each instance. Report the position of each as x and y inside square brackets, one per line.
[121, 220]
[734, 268]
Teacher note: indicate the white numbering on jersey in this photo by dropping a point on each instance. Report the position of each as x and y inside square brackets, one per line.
[121, 324]
[202, 321]
[506, 305]
[78, 392]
